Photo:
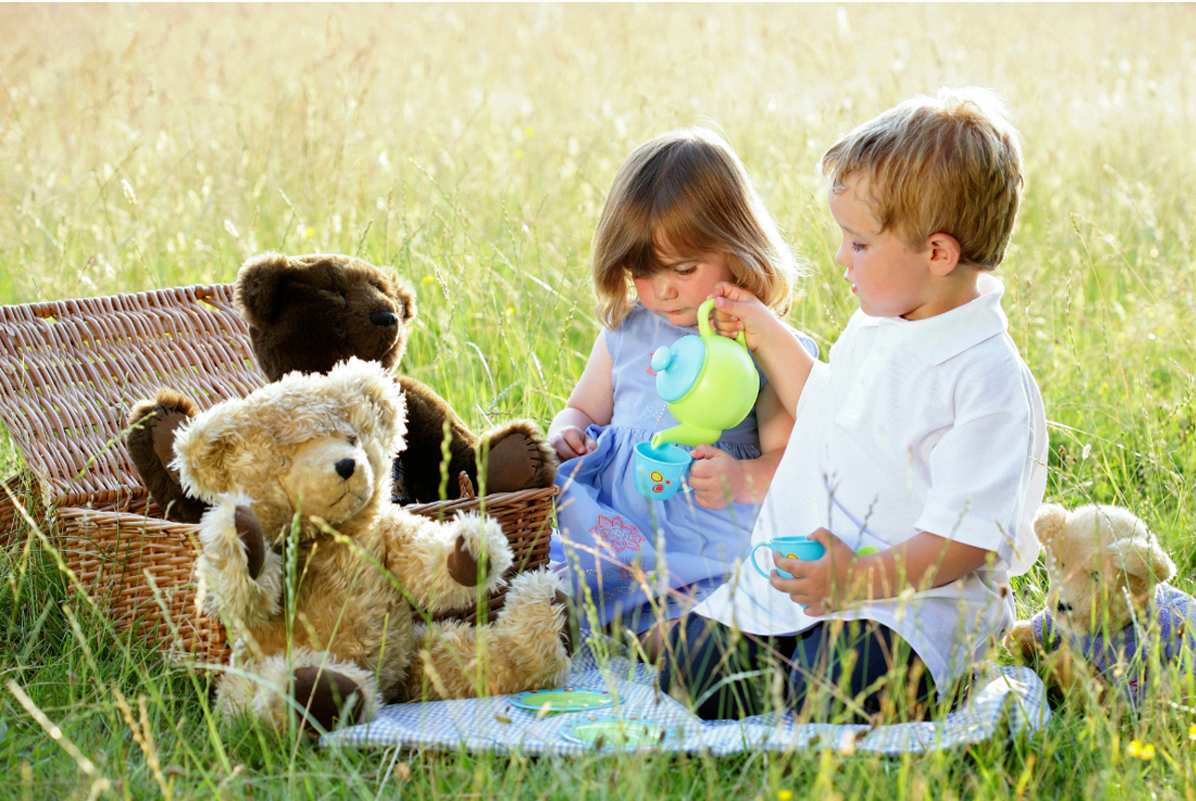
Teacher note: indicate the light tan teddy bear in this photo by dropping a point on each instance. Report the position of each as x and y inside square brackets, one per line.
[1107, 604]
[315, 571]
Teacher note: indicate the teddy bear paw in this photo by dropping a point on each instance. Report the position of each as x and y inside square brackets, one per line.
[326, 697]
[481, 553]
[519, 458]
[249, 529]
[153, 425]
[567, 636]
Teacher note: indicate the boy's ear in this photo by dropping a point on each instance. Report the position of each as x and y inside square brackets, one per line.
[944, 253]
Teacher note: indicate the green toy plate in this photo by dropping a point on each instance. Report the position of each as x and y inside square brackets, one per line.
[563, 700]
[606, 731]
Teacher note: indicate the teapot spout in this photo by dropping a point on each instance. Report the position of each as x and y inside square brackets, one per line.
[686, 434]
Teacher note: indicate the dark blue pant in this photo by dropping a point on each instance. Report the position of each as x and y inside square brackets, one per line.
[838, 671]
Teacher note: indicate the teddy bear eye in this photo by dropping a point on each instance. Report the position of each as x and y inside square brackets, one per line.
[1096, 577]
[353, 441]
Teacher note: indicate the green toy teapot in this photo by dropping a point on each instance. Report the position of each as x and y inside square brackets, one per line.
[708, 381]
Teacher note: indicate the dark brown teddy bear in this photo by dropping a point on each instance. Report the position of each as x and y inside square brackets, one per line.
[307, 313]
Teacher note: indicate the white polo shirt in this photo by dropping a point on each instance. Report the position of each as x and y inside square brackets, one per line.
[930, 425]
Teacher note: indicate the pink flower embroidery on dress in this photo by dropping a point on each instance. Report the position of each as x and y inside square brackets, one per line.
[618, 535]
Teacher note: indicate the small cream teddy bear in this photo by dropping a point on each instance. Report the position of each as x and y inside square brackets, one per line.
[1108, 599]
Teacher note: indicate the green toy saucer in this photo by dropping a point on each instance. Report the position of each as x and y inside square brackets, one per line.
[563, 700]
[607, 731]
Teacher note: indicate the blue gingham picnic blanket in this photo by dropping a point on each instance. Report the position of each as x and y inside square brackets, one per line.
[1005, 700]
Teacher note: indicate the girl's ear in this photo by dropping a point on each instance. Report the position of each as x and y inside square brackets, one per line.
[944, 253]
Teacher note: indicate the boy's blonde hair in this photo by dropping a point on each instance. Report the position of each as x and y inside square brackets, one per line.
[950, 164]
[688, 187]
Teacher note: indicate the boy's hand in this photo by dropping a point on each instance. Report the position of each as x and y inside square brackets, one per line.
[716, 476]
[824, 585]
[736, 309]
[571, 442]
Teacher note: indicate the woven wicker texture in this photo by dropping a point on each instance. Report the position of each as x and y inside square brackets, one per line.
[69, 372]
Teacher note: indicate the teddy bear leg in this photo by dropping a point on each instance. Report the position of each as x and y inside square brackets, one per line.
[532, 639]
[152, 427]
[527, 648]
[322, 690]
[518, 457]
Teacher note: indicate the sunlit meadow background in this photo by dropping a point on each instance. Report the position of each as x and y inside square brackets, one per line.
[471, 147]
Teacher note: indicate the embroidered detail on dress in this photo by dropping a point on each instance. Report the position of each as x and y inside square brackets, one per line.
[616, 534]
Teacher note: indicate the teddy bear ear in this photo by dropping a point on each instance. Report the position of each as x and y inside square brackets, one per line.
[257, 286]
[1142, 556]
[384, 410]
[203, 449]
[1049, 522]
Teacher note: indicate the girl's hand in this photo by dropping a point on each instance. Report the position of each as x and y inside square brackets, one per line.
[736, 309]
[825, 585]
[571, 442]
[716, 476]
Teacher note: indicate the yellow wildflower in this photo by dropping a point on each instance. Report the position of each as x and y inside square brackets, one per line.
[785, 795]
[1142, 751]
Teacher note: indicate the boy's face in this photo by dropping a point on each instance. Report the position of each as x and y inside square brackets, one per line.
[889, 278]
[682, 284]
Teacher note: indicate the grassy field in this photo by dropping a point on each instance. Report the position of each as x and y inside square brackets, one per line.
[146, 146]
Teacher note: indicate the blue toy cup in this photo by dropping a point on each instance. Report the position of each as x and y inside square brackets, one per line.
[791, 548]
[658, 471]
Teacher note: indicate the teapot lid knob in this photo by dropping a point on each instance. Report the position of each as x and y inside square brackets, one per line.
[678, 367]
[662, 358]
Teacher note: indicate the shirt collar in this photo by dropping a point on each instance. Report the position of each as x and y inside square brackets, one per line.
[949, 334]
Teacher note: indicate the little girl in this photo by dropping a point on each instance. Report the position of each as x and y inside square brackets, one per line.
[681, 217]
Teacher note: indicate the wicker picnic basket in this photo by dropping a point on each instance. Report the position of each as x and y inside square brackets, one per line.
[69, 372]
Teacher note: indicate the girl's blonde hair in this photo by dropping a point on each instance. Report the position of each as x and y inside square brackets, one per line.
[689, 187]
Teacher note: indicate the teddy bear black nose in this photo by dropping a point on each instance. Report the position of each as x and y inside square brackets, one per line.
[1063, 606]
[383, 318]
[345, 468]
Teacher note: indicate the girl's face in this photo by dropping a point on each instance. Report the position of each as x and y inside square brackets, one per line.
[677, 290]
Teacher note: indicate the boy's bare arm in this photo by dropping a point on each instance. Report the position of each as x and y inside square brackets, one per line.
[841, 577]
[779, 354]
[774, 424]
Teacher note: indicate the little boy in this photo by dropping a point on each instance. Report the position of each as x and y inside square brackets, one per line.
[918, 456]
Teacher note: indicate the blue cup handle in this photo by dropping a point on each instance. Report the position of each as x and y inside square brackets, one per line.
[755, 564]
[753, 558]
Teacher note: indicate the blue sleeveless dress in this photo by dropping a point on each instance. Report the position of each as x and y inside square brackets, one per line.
[634, 560]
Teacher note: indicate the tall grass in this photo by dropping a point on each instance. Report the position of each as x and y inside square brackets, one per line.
[471, 147]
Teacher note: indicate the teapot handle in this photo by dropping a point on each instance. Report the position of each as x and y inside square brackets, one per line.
[706, 329]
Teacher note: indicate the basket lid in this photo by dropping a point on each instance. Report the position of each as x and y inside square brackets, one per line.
[70, 370]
